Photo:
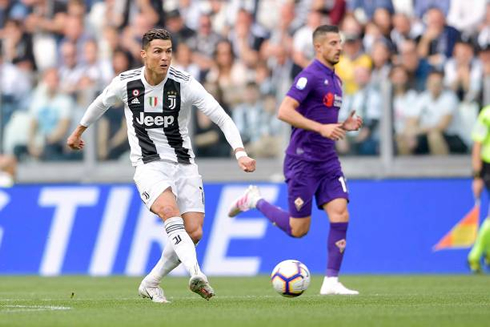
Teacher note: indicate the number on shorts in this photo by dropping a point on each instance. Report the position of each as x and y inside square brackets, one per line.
[342, 182]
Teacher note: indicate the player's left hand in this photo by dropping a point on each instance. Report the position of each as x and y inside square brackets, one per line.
[247, 164]
[352, 123]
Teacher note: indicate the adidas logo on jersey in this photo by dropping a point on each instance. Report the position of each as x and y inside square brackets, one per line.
[154, 120]
[135, 101]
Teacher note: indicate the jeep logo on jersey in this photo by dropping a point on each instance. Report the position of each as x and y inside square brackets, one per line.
[154, 120]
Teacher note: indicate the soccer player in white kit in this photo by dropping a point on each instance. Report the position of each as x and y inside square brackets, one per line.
[158, 100]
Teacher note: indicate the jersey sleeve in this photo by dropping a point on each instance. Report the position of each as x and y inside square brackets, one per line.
[104, 101]
[481, 128]
[301, 87]
[198, 96]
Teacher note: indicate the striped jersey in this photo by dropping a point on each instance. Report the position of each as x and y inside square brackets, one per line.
[158, 116]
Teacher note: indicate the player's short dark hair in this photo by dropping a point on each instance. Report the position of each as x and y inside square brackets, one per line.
[324, 29]
[155, 34]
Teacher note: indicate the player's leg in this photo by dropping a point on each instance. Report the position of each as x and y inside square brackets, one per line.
[190, 199]
[251, 199]
[199, 283]
[481, 247]
[332, 197]
[299, 199]
[156, 185]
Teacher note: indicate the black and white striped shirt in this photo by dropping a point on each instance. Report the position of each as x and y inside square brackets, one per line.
[158, 116]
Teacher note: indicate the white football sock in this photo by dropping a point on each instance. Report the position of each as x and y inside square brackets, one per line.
[182, 244]
[168, 262]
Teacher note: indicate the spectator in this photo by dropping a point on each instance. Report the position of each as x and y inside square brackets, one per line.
[432, 127]
[418, 68]
[132, 34]
[50, 113]
[404, 29]
[466, 17]
[76, 34]
[403, 100]
[174, 23]
[229, 74]
[303, 51]
[70, 71]
[8, 170]
[367, 103]
[112, 140]
[280, 65]
[462, 72]
[257, 123]
[353, 55]
[16, 86]
[204, 44]
[364, 10]
[383, 20]
[483, 38]
[18, 45]
[183, 60]
[381, 56]
[333, 9]
[246, 38]
[437, 42]
[484, 56]
[208, 140]
[422, 6]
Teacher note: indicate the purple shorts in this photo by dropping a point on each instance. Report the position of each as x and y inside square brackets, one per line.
[305, 179]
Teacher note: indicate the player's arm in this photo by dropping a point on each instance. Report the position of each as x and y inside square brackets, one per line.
[352, 123]
[477, 166]
[94, 111]
[479, 134]
[211, 108]
[288, 113]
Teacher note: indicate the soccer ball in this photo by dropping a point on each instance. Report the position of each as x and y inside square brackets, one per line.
[290, 278]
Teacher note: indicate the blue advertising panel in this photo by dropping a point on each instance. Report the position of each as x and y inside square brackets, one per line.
[105, 229]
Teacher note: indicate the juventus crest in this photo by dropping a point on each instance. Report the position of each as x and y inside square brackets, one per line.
[172, 98]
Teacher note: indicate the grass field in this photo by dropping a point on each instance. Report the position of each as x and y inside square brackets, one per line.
[384, 301]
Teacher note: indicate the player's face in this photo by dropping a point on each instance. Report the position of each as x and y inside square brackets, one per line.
[157, 56]
[330, 48]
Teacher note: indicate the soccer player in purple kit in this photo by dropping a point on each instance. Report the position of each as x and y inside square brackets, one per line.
[311, 166]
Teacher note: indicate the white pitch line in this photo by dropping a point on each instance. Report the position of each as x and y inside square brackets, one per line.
[31, 308]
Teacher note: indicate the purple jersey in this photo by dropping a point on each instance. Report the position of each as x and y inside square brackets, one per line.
[319, 93]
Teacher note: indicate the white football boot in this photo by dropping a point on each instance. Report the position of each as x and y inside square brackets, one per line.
[199, 284]
[154, 293]
[332, 286]
[245, 202]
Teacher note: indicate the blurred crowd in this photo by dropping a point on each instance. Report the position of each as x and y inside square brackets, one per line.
[425, 61]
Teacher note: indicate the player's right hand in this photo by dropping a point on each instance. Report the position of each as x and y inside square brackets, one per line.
[334, 132]
[75, 142]
[247, 164]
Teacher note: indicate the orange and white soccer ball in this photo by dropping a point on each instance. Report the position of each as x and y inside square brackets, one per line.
[290, 278]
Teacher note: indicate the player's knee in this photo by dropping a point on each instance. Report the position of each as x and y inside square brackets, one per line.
[195, 234]
[341, 216]
[299, 231]
[165, 211]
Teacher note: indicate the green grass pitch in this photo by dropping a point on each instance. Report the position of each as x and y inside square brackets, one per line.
[428, 300]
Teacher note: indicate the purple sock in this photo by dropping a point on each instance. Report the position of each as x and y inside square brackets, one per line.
[276, 215]
[336, 247]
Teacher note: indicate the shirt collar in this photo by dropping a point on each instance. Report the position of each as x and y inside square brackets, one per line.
[324, 68]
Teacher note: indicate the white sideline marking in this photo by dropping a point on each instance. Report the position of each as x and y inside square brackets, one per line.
[31, 308]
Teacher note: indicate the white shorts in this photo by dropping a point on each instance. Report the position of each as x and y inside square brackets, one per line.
[184, 180]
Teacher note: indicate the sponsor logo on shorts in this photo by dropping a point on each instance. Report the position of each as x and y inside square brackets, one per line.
[299, 203]
[341, 245]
